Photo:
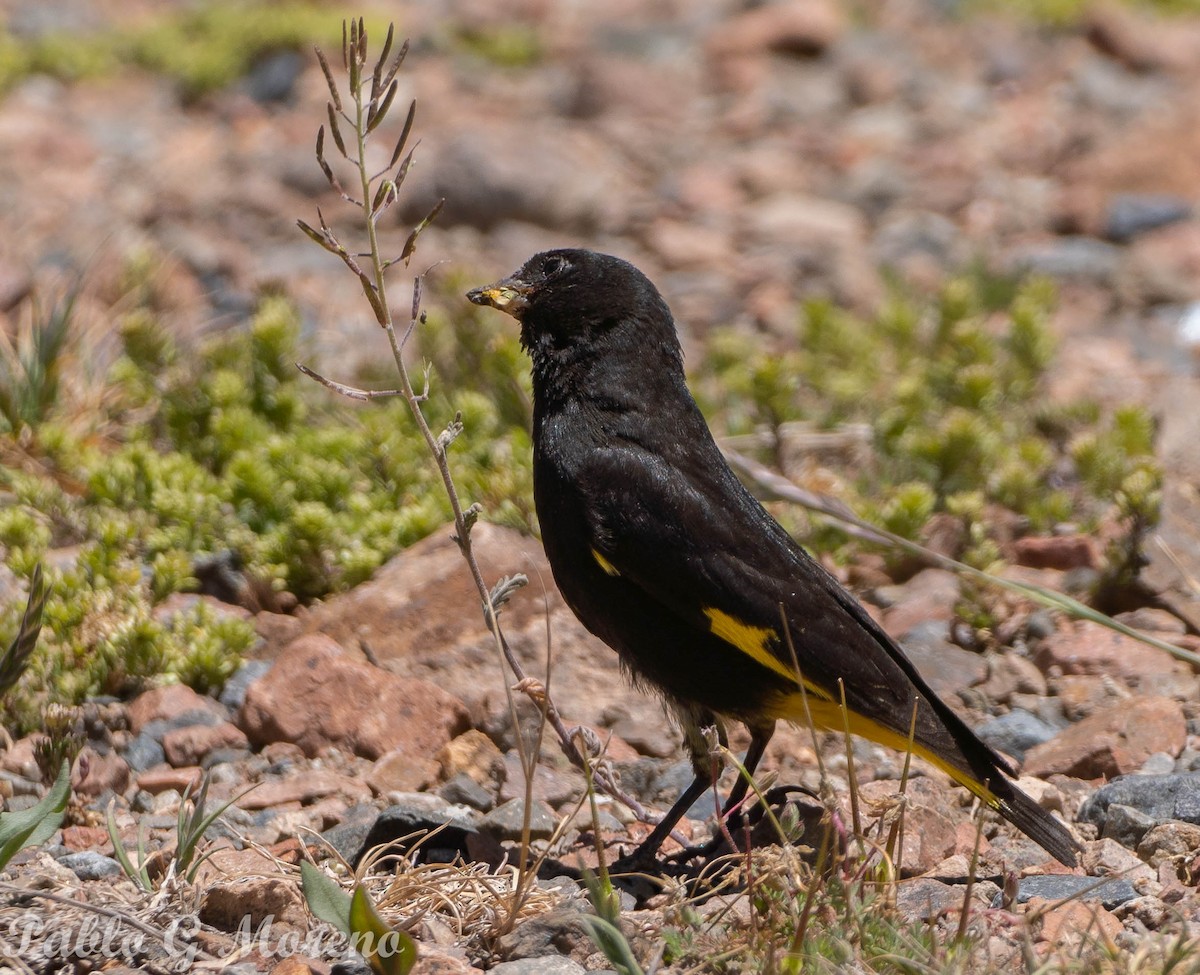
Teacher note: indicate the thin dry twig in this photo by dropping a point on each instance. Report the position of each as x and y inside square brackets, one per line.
[363, 114]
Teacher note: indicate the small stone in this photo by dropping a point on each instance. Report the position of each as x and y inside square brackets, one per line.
[416, 814]
[168, 704]
[465, 791]
[1169, 841]
[1108, 858]
[561, 930]
[1057, 887]
[1161, 797]
[317, 695]
[400, 771]
[1084, 647]
[229, 904]
[1160, 763]
[161, 779]
[947, 667]
[1015, 733]
[1126, 825]
[89, 865]
[474, 754]
[187, 746]
[142, 752]
[506, 822]
[1071, 923]
[233, 694]
[1057, 552]
[1112, 742]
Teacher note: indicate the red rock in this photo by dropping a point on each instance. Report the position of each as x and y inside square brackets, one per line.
[108, 771]
[1111, 742]
[929, 595]
[162, 703]
[318, 695]
[19, 758]
[76, 838]
[162, 778]
[931, 824]
[187, 746]
[401, 771]
[1074, 922]
[1057, 552]
[313, 784]
[227, 904]
[1084, 647]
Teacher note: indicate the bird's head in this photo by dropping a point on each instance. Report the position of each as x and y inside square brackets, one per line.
[571, 302]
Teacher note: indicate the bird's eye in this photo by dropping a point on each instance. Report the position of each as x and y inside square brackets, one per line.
[552, 265]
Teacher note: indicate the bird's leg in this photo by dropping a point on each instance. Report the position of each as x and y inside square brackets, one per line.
[760, 736]
[691, 722]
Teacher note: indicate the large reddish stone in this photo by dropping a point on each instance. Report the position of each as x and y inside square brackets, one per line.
[317, 695]
[1114, 741]
[164, 703]
[187, 746]
[1084, 647]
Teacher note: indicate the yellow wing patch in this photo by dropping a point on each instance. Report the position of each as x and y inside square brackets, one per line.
[752, 641]
[604, 563]
[827, 715]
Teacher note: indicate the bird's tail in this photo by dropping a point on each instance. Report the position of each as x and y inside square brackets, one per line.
[958, 753]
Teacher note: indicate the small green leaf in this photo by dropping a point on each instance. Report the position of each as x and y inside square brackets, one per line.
[387, 950]
[325, 898]
[37, 823]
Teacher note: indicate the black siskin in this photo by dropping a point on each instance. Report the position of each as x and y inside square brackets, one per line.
[664, 555]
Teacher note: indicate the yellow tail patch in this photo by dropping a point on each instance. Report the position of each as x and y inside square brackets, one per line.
[752, 641]
[827, 715]
[604, 563]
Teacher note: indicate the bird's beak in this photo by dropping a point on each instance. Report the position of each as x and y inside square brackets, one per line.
[511, 296]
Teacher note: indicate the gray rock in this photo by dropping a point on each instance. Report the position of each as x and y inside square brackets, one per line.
[506, 822]
[541, 965]
[1160, 763]
[465, 791]
[1161, 797]
[1130, 214]
[1126, 825]
[1056, 887]
[143, 752]
[233, 694]
[90, 865]
[557, 932]
[1069, 257]
[948, 667]
[157, 729]
[411, 818]
[1016, 732]
[273, 77]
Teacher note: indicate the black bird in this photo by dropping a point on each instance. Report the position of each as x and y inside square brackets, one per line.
[664, 555]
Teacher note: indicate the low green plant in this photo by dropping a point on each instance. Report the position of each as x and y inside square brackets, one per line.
[388, 950]
[953, 392]
[35, 825]
[193, 820]
[31, 363]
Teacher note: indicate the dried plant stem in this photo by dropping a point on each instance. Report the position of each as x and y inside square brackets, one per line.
[373, 201]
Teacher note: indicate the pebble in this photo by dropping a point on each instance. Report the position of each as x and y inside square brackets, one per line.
[1016, 732]
[506, 822]
[1130, 214]
[1160, 797]
[90, 865]
[1057, 887]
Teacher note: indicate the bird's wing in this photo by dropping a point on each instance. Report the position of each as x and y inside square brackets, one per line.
[704, 549]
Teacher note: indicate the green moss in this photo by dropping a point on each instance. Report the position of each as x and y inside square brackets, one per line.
[953, 392]
[227, 447]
